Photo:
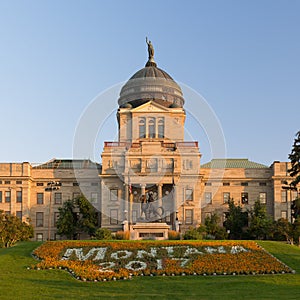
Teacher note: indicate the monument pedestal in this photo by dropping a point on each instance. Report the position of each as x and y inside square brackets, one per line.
[149, 231]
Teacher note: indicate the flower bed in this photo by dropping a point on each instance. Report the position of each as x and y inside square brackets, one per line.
[101, 261]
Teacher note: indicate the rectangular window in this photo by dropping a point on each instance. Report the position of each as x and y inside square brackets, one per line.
[294, 195]
[19, 214]
[207, 184]
[245, 198]
[94, 198]
[19, 182]
[263, 198]
[57, 198]
[7, 196]
[56, 217]
[19, 196]
[7, 182]
[39, 184]
[113, 217]
[226, 197]
[262, 184]
[284, 214]
[226, 183]
[39, 237]
[189, 195]
[113, 195]
[189, 216]
[245, 183]
[39, 219]
[7, 212]
[75, 183]
[0, 196]
[283, 196]
[40, 198]
[208, 197]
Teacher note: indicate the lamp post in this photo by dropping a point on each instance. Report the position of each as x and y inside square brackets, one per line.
[290, 188]
[51, 186]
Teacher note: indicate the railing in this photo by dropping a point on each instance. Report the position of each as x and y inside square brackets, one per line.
[187, 144]
[137, 145]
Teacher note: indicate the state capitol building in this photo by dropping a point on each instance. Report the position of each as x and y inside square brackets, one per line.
[151, 159]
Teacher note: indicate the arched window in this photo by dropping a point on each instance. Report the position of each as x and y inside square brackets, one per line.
[142, 128]
[161, 128]
[151, 126]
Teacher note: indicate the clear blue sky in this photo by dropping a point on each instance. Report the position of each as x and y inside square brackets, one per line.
[243, 57]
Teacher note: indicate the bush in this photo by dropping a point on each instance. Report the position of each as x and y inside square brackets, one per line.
[122, 235]
[103, 234]
[194, 233]
[174, 235]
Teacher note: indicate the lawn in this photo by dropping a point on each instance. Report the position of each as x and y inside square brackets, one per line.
[16, 282]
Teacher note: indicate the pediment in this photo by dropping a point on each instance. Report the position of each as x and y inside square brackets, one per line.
[150, 106]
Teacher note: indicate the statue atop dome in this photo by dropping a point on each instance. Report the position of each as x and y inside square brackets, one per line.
[150, 62]
[150, 49]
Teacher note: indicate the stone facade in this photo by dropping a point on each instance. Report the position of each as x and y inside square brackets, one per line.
[22, 190]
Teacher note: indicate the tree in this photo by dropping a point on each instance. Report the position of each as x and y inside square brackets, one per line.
[76, 216]
[295, 207]
[296, 231]
[260, 222]
[282, 229]
[236, 221]
[12, 230]
[213, 229]
[294, 157]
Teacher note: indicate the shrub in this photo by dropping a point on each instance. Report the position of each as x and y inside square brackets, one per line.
[103, 234]
[174, 235]
[122, 235]
[193, 234]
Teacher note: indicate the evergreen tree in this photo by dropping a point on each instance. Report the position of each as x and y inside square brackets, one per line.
[294, 157]
[260, 222]
[76, 216]
[236, 221]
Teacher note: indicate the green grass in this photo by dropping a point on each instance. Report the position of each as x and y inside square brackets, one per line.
[16, 282]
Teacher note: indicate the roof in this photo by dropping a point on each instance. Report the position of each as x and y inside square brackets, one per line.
[231, 163]
[69, 164]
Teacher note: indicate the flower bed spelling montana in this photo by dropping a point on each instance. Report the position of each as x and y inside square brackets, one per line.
[115, 260]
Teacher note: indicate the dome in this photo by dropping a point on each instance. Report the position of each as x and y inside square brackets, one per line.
[151, 83]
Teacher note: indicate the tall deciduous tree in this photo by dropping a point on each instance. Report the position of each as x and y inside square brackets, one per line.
[12, 230]
[76, 216]
[236, 221]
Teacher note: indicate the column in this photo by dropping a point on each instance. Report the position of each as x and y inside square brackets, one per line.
[174, 206]
[143, 189]
[159, 194]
